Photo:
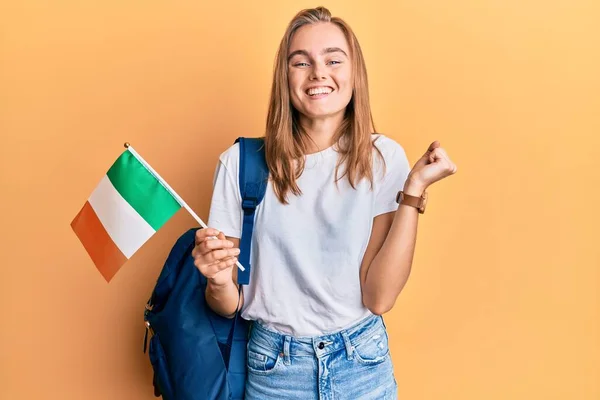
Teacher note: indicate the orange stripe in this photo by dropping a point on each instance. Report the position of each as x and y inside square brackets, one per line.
[103, 251]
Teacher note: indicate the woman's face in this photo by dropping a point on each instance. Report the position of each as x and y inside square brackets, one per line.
[320, 71]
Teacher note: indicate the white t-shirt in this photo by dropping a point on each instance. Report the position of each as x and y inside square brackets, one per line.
[306, 255]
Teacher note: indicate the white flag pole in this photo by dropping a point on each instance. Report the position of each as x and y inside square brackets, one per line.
[170, 190]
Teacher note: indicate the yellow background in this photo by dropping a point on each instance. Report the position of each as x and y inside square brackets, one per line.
[503, 299]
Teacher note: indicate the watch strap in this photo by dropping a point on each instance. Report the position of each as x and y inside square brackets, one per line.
[412, 201]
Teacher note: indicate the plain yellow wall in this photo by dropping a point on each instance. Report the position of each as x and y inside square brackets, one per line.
[503, 299]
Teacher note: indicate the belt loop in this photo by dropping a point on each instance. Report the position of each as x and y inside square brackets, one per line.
[286, 350]
[349, 348]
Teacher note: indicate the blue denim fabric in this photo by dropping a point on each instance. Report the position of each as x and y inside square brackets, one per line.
[353, 364]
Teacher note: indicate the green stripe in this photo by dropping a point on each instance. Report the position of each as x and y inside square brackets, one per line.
[142, 190]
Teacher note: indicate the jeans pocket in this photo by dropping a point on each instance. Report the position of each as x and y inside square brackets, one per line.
[373, 348]
[262, 361]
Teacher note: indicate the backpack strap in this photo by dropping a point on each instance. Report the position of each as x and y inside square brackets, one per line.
[253, 179]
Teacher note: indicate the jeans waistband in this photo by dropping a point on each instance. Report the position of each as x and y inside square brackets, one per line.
[318, 345]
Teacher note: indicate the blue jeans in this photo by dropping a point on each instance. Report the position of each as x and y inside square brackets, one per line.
[352, 364]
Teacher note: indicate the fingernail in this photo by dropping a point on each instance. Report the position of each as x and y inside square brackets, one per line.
[236, 251]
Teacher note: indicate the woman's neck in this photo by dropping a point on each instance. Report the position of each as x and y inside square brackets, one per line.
[321, 132]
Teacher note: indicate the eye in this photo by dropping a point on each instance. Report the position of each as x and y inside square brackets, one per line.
[301, 64]
[334, 62]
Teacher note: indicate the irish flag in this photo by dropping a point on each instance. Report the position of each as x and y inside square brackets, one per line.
[128, 206]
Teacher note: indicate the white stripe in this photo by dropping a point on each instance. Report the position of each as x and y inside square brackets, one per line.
[124, 225]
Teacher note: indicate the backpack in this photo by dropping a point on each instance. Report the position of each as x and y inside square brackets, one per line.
[195, 353]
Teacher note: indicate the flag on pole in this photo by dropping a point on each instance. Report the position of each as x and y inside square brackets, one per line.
[127, 207]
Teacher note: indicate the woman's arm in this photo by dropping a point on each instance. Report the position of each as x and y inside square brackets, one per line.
[223, 298]
[387, 261]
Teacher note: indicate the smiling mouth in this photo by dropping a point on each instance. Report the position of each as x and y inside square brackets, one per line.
[319, 91]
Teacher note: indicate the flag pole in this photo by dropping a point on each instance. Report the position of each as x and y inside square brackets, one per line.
[170, 190]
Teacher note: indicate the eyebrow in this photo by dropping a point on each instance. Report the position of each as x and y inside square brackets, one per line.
[326, 50]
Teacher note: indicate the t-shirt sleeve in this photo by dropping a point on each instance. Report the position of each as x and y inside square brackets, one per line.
[225, 209]
[396, 173]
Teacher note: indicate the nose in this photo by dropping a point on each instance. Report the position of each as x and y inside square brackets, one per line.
[317, 73]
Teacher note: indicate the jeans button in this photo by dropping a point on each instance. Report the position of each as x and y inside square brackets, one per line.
[321, 346]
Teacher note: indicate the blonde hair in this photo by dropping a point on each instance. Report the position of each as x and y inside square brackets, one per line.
[285, 141]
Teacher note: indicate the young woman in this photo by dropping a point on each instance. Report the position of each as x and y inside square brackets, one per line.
[332, 249]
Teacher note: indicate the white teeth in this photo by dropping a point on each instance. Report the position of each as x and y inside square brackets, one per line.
[319, 90]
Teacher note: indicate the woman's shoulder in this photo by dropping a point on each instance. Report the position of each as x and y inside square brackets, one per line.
[386, 145]
[393, 157]
[230, 156]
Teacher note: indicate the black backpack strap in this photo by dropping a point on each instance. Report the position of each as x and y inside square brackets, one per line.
[253, 179]
[234, 326]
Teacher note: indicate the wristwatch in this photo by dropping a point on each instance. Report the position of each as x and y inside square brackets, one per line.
[417, 202]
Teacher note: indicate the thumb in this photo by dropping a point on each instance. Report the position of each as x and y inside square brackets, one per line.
[434, 145]
[426, 158]
[221, 236]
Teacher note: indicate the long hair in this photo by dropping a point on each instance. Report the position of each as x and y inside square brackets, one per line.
[286, 143]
